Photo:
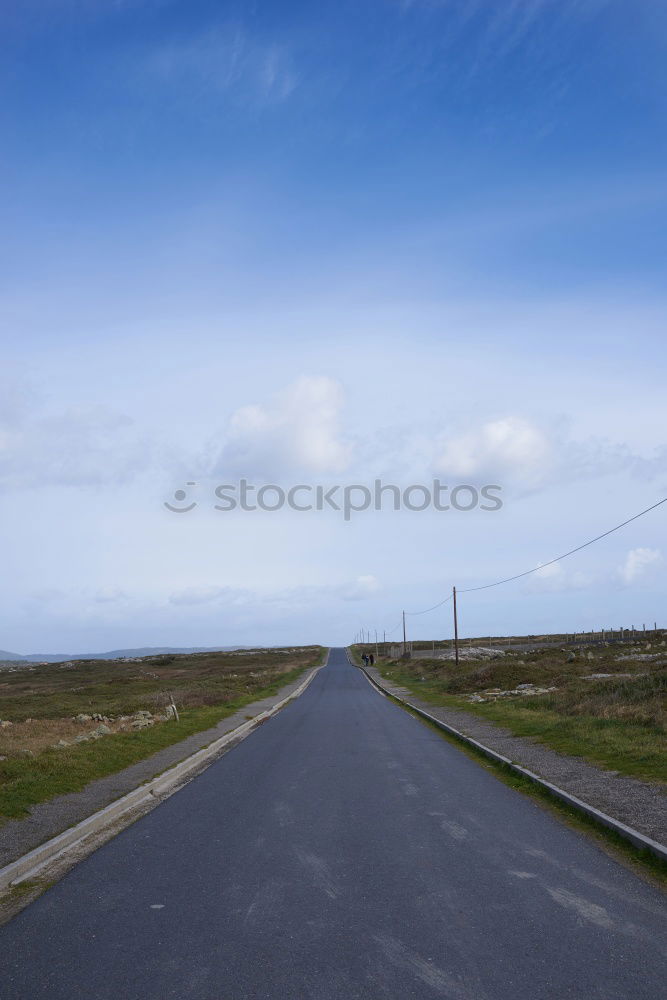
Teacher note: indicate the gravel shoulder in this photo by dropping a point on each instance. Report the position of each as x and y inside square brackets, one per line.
[50, 818]
[638, 804]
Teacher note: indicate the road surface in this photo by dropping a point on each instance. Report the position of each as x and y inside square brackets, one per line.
[344, 850]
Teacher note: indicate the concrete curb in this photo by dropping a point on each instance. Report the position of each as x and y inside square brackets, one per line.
[31, 864]
[636, 838]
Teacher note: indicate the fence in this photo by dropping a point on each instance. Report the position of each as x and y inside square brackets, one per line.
[416, 650]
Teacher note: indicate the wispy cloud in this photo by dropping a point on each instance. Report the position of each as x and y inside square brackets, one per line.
[471, 41]
[638, 563]
[74, 446]
[223, 62]
[556, 579]
[211, 594]
[362, 588]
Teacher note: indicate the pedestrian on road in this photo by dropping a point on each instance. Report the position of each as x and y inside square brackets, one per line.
[371, 659]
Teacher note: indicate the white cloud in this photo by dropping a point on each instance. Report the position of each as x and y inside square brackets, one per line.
[298, 435]
[510, 446]
[520, 453]
[298, 432]
[638, 563]
[362, 588]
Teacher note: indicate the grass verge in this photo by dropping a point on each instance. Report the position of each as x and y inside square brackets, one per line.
[642, 862]
[26, 781]
[605, 705]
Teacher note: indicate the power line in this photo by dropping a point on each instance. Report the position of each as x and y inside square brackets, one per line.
[509, 579]
[518, 576]
[426, 610]
[527, 572]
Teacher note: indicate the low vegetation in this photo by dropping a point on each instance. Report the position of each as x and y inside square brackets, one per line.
[64, 724]
[606, 703]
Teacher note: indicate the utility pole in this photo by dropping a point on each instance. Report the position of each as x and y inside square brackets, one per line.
[456, 629]
[405, 645]
[376, 644]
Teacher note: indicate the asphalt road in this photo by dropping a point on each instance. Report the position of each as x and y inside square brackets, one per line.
[344, 850]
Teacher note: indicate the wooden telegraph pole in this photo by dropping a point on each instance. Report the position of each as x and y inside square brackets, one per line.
[405, 645]
[456, 629]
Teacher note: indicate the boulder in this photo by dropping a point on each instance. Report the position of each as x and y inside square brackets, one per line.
[142, 723]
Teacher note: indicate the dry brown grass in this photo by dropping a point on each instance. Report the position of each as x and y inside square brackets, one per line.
[639, 696]
[42, 703]
[207, 687]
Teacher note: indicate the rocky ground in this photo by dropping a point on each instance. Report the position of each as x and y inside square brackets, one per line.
[31, 736]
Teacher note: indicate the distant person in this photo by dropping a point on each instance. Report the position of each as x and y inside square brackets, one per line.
[371, 659]
[364, 659]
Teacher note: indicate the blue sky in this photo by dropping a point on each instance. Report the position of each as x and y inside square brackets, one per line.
[323, 242]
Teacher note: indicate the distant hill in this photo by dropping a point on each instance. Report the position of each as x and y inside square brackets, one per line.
[114, 654]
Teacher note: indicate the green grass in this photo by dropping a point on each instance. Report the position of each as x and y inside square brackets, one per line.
[24, 782]
[617, 723]
[28, 887]
[642, 861]
[629, 748]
